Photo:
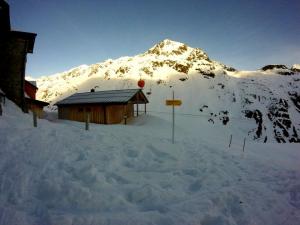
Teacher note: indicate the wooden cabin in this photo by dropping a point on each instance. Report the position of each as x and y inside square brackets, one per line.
[103, 107]
[32, 104]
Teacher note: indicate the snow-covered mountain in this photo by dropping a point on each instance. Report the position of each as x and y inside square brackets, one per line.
[263, 104]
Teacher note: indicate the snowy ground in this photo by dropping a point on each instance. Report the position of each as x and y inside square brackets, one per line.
[60, 174]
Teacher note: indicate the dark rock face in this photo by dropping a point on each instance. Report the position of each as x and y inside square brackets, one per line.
[147, 71]
[270, 67]
[295, 97]
[206, 74]
[197, 54]
[221, 85]
[203, 107]
[257, 116]
[122, 70]
[285, 71]
[229, 68]
[183, 78]
[181, 68]
[223, 116]
[282, 125]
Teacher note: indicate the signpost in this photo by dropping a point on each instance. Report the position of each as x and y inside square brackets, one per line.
[173, 102]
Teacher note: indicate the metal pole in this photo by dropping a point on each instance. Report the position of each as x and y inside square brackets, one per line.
[244, 144]
[230, 141]
[173, 120]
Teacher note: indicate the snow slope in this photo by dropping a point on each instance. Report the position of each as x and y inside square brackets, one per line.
[268, 101]
[58, 173]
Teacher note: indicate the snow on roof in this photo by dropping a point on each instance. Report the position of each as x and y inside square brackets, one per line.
[33, 82]
[111, 96]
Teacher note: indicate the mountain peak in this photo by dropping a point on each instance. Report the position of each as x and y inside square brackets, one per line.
[169, 42]
[168, 47]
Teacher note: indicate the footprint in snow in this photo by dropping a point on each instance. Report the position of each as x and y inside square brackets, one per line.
[214, 220]
[160, 154]
[295, 196]
[195, 186]
[132, 153]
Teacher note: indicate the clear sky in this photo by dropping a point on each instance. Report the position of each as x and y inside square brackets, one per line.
[245, 34]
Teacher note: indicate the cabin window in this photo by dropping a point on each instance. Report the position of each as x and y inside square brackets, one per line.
[80, 110]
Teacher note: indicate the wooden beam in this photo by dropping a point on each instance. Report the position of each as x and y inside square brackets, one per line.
[125, 114]
[105, 118]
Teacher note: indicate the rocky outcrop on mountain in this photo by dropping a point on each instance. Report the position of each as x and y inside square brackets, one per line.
[257, 116]
[197, 54]
[271, 67]
[167, 48]
[280, 69]
[284, 131]
[295, 97]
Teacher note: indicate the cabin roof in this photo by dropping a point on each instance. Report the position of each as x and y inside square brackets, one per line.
[105, 97]
[36, 102]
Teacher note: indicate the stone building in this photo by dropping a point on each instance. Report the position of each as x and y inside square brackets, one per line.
[14, 46]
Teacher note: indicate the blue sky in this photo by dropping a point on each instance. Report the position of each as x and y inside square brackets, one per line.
[243, 34]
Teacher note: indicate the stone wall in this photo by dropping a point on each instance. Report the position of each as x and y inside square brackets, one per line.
[13, 52]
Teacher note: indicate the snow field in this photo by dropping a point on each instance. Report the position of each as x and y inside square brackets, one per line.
[58, 173]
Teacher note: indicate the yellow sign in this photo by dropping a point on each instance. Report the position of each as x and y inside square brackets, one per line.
[175, 102]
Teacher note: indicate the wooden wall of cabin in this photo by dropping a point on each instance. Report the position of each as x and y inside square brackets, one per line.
[109, 114]
[130, 110]
[115, 114]
[79, 113]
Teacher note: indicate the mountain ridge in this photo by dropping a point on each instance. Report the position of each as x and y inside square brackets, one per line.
[267, 100]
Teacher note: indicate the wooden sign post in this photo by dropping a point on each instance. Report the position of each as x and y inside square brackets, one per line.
[87, 121]
[34, 119]
[173, 102]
